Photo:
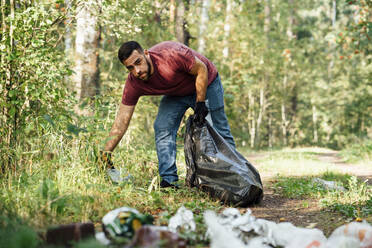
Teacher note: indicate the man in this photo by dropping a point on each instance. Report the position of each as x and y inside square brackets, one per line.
[186, 79]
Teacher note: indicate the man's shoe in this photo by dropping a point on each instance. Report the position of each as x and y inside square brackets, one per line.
[165, 184]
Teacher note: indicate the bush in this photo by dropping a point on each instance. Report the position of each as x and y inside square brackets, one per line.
[359, 151]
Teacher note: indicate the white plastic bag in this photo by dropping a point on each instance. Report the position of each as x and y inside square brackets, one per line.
[220, 236]
[184, 219]
[362, 232]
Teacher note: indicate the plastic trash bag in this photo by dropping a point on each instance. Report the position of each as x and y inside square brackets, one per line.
[231, 229]
[217, 168]
[246, 231]
[328, 185]
[220, 236]
[354, 232]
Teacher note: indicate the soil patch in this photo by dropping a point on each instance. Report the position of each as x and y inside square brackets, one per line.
[363, 172]
[300, 212]
[304, 212]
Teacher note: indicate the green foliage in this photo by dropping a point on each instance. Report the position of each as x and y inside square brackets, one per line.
[33, 71]
[298, 187]
[89, 243]
[358, 33]
[361, 151]
[312, 82]
[16, 234]
[314, 91]
[355, 202]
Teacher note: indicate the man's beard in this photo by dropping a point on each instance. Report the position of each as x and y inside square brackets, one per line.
[148, 70]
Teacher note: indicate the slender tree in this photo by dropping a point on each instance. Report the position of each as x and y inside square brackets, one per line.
[86, 50]
[182, 33]
[203, 26]
[227, 28]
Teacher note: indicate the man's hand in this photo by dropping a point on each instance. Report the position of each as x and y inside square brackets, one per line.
[113, 174]
[201, 111]
[105, 159]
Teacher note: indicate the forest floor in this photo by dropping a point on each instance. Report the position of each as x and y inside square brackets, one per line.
[47, 192]
[303, 211]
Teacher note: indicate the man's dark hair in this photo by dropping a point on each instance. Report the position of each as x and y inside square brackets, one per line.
[127, 48]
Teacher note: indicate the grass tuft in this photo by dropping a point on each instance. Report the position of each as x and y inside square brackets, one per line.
[355, 202]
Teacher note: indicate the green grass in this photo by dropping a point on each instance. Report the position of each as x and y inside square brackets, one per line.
[293, 162]
[15, 233]
[358, 152]
[293, 171]
[70, 186]
[355, 202]
[60, 182]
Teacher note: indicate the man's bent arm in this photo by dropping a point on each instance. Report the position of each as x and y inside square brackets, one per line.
[200, 70]
[120, 126]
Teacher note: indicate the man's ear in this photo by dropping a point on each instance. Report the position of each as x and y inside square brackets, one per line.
[146, 52]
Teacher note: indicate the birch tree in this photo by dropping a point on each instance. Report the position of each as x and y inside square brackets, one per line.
[227, 28]
[86, 51]
[68, 35]
[182, 34]
[267, 23]
[203, 26]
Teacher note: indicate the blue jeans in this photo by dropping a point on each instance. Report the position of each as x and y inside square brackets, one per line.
[171, 111]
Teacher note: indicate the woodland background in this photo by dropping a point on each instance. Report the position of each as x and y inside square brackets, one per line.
[295, 73]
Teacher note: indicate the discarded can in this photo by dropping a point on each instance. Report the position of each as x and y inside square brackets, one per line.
[121, 224]
[66, 234]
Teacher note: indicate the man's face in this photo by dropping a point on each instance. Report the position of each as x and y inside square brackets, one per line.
[139, 65]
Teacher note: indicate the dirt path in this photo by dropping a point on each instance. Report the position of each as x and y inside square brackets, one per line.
[303, 212]
[363, 172]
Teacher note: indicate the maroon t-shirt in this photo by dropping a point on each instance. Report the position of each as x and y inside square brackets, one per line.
[172, 63]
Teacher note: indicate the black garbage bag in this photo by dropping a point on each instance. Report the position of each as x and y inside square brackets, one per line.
[217, 168]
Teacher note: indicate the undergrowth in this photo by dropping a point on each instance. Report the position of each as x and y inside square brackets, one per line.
[358, 151]
[355, 201]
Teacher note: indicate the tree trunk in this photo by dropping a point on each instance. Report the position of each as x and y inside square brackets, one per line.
[68, 40]
[4, 77]
[11, 137]
[182, 33]
[292, 96]
[290, 20]
[203, 26]
[315, 129]
[157, 7]
[86, 53]
[260, 115]
[172, 15]
[284, 125]
[333, 18]
[269, 130]
[227, 28]
[267, 22]
[251, 118]
[265, 81]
